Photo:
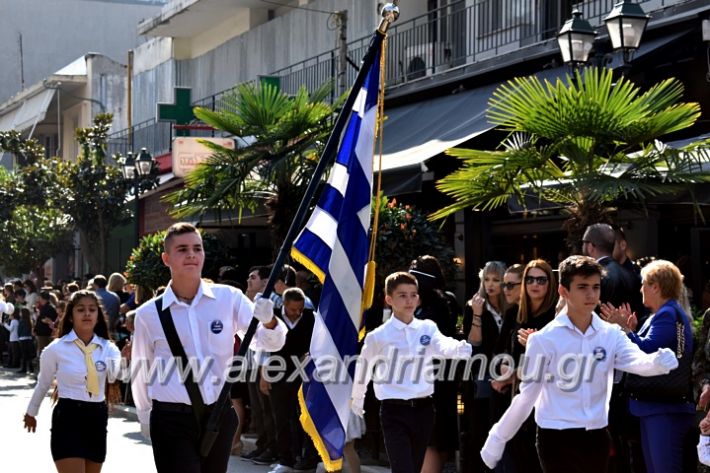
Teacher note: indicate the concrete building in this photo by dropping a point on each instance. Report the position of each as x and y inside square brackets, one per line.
[41, 36]
[51, 109]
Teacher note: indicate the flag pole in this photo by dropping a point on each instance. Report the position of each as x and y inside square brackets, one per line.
[390, 13]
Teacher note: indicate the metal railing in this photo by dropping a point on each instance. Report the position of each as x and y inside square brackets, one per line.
[312, 73]
[150, 134]
[457, 34]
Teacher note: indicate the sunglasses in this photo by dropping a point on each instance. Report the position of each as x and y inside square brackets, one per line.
[509, 286]
[539, 280]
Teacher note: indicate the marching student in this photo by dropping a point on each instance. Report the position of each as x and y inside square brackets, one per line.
[204, 318]
[402, 352]
[82, 360]
[567, 378]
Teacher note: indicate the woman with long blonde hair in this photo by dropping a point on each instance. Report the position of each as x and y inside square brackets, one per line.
[483, 320]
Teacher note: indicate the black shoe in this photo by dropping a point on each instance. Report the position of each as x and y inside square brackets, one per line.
[266, 458]
[253, 454]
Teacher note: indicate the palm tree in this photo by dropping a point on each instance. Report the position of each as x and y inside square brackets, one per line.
[281, 139]
[584, 143]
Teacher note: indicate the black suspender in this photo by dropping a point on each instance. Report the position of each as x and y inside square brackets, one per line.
[178, 351]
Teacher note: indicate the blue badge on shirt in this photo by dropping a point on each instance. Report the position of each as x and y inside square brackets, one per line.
[216, 326]
[599, 354]
[425, 340]
[100, 366]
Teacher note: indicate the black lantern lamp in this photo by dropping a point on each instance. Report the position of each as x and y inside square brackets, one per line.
[576, 38]
[128, 167]
[144, 163]
[626, 23]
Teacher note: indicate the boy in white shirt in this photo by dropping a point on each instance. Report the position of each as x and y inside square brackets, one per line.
[568, 377]
[402, 351]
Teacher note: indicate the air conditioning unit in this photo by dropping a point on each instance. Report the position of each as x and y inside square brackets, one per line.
[423, 60]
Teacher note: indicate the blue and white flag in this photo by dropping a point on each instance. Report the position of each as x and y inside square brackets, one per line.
[334, 246]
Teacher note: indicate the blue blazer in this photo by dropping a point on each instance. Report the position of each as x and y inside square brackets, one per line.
[659, 331]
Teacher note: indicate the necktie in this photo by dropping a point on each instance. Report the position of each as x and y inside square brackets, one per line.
[92, 377]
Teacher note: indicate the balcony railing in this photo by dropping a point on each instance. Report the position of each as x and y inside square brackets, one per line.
[460, 33]
[150, 134]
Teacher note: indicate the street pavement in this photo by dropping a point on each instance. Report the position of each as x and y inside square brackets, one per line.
[127, 449]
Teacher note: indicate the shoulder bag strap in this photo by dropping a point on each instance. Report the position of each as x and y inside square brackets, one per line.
[178, 351]
[680, 334]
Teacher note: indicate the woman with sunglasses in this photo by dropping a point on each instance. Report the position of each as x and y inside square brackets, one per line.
[483, 319]
[538, 301]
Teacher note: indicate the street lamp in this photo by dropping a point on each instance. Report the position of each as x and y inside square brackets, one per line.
[136, 170]
[144, 164]
[576, 38]
[626, 24]
[128, 166]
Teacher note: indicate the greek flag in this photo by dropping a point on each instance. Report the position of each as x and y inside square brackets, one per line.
[334, 246]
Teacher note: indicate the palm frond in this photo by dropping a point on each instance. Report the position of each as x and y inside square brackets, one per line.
[584, 138]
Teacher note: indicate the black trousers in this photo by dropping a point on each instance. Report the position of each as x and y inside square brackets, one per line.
[407, 430]
[573, 450]
[262, 418]
[174, 434]
[27, 354]
[15, 355]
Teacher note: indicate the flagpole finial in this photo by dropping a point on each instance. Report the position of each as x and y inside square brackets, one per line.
[390, 13]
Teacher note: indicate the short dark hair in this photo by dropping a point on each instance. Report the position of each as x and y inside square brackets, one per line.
[293, 294]
[179, 228]
[263, 271]
[430, 265]
[20, 293]
[394, 280]
[578, 265]
[228, 273]
[288, 276]
[44, 295]
[31, 285]
[72, 287]
[602, 236]
[100, 281]
[619, 233]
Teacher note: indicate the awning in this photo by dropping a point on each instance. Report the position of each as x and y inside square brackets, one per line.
[419, 131]
[416, 132]
[7, 120]
[648, 47]
[33, 110]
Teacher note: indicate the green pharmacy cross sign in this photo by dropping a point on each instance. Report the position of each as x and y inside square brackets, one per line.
[179, 112]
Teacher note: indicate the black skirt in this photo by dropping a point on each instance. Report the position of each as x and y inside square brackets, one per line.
[79, 430]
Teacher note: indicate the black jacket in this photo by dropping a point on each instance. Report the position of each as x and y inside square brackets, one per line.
[618, 284]
[41, 328]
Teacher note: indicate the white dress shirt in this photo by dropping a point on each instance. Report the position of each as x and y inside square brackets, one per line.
[206, 329]
[402, 356]
[559, 403]
[64, 360]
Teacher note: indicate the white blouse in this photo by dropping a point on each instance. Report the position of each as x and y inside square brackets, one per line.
[13, 327]
[64, 360]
